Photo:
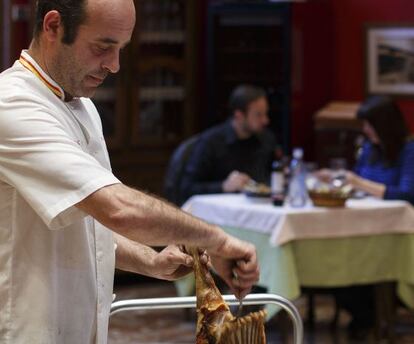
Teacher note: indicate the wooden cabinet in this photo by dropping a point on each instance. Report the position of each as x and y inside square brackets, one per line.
[338, 133]
[16, 21]
[148, 107]
[5, 34]
[2, 35]
[249, 42]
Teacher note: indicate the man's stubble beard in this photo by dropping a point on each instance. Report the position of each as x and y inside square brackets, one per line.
[66, 71]
[247, 129]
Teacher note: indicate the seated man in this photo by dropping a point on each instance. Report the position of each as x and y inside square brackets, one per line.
[228, 155]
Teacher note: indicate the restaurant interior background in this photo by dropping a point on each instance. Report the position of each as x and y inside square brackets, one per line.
[186, 56]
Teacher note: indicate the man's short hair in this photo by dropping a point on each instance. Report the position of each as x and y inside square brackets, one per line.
[73, 13]
[243, 95]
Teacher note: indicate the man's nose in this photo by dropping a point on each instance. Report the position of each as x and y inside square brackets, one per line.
[111, 64]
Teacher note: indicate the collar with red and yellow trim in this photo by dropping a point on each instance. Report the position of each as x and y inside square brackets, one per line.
[29, 63]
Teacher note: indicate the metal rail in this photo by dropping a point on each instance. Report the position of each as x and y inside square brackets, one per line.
[190, 302]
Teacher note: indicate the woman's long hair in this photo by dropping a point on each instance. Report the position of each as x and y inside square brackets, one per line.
[383, 114]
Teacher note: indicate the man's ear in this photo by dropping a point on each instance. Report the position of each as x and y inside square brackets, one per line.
[52, 24]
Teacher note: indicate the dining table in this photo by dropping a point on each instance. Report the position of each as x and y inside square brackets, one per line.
[367, 241]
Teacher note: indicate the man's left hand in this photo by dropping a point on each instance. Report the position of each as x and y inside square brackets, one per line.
[172, 263]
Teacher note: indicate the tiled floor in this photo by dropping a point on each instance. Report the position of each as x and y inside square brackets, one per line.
[177, 326]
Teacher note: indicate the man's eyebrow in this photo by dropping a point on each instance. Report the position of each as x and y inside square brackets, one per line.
[107, 40]
[111, 41]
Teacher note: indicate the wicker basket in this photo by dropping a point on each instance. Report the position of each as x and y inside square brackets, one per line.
[328, 199]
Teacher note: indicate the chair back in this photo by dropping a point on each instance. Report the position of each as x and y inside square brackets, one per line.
[175, 170]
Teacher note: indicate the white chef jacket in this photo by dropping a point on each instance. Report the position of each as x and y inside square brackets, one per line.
[56, 263]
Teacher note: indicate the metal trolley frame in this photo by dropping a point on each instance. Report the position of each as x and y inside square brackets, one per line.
[190, 302]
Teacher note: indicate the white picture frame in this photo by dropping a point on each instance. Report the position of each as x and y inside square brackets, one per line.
[390, 59]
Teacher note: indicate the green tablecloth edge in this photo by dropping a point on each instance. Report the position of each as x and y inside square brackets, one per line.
[295, 264]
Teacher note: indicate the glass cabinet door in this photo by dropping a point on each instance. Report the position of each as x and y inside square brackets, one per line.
[160, 82]
[111, 103]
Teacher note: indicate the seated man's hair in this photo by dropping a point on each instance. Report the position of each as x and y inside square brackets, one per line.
[243, 95]
[73, 13]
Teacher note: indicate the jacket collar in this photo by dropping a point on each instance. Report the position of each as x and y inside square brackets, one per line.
[29, 63]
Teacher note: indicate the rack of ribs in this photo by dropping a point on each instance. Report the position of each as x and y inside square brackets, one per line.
[215, 323]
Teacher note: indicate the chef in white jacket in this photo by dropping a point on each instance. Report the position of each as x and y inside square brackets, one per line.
[65, 219]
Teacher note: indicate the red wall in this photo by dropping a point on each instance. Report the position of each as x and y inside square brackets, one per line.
[349, 18]
[328, 56]
[312, 67]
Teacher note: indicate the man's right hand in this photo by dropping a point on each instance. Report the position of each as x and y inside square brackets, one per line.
[235, 181]
[236, 262]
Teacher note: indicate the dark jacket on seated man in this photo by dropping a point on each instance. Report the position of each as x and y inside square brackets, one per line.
[219, 152]
[228, 155]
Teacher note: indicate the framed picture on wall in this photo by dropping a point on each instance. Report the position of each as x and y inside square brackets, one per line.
[390, 59]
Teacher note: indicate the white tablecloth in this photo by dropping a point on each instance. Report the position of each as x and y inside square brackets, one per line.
[358, 218]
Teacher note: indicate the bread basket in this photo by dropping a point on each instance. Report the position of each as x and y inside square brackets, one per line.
[331, 198]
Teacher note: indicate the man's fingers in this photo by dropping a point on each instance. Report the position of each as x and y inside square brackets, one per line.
[243, 283]
[245, 275]
[177, 256]
[187, 260]
[243, 280]
[251, 277]
[246, 270]
[243, 293]
[239, 292]
[247, 266]
[205, 258]
[236, 258]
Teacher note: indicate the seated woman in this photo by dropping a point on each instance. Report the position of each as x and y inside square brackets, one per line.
[385, 169]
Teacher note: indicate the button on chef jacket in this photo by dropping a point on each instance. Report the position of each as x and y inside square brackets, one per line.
[56, 262]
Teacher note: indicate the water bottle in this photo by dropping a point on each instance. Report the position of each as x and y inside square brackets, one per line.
[297, 194]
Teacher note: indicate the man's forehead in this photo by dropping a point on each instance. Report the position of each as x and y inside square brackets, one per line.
[121, 11]
[109, 7]
[106, 32]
